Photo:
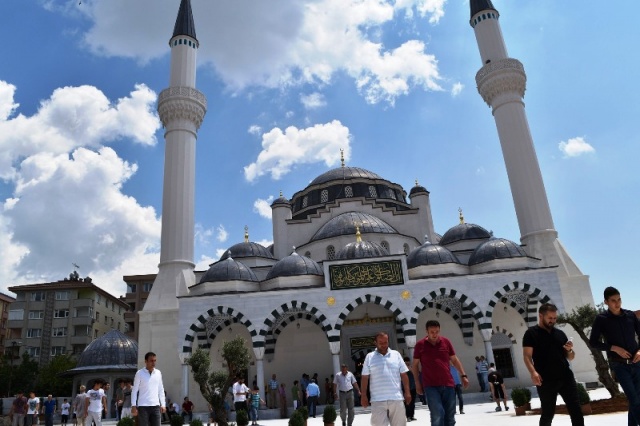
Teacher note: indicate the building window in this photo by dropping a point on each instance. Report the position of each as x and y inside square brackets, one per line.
[37, 296]
[58, 350]
[324, 196]
[372, 192]
[95, 334]
[348, 191]
[105, 319]
[61, 313]
[331, 252]
[147, 287]
[62, 295]
[36, 314]
[131, 288]
[406, 249]
[59, 331]
[16, 314]
[34, 332]
[305, 201]
[97, 316]
[385, 245]
[33, 352]
[391, 194]
[99, 299]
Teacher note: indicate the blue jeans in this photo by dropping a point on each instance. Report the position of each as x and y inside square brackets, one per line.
[442, 405]
[629, 377]
[253, 411]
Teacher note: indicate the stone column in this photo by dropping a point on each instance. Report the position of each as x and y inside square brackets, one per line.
[185, 381]
[335, 352]
[259, 353]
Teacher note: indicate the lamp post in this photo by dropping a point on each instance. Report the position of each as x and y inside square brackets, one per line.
[14, 345]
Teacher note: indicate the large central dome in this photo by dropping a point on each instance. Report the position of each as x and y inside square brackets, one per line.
[344, 173]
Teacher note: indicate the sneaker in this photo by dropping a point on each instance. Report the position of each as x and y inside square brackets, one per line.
[506, 407]
[498, 408]
[409, 419]
[413, 418]
[461, 412]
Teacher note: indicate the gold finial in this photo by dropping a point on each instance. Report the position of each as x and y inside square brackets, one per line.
[342, 156]
[246, 234]
[461, 215]
[358, 236]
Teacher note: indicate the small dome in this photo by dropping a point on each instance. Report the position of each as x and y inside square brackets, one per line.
[113, 350]
[228, 270]
[496, 248]
[342, 173]
[464, 231]
[361, 249]
[418, 190]
[245, 249]
[294, 265]
[430, 254]
[344, 225]
[281, 200]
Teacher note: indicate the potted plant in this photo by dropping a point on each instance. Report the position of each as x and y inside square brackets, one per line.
[176, 420]
[527, 393]
[296, 419]
[519, 398]
[196, 422]
[584, 399]
[126, 421]
[329, 415]
[305, 413]
[242, 418]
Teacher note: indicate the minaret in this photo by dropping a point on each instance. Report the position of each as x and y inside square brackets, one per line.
[502, 82]
[181, 108]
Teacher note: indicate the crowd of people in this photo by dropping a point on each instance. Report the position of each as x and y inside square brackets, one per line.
[389, 383]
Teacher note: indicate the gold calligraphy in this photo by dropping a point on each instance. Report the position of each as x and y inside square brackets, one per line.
[373, 274]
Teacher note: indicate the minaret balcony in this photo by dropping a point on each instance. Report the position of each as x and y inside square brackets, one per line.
[182, 102]
[499, 77]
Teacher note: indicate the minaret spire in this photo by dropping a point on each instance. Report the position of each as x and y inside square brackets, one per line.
[184, 21]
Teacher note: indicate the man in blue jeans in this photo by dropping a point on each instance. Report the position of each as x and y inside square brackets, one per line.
[433, 354]
[620, 329]
[313, 392]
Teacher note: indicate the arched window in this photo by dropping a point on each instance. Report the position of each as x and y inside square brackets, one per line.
[331, 252]
[372, 192]
[502, 354]
[305, 201]
[324, 196]
[348, 191]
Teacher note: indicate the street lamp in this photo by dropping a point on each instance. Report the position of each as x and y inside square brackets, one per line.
[14, 345]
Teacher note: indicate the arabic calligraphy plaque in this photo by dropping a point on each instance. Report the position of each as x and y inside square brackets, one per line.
[368, 274]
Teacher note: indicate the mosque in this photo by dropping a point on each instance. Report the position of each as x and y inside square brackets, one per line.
[354, 254]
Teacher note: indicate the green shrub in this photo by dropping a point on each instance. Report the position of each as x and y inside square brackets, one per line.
[527, 393]
[126, 421]
[296, 419]
[176, 420]
[583, 395]
[242, 418]
[329, 415]
[196, 422]
[304, 411]
[519, 397]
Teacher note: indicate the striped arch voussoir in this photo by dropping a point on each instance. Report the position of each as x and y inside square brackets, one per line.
[404, 325]
[530, 313]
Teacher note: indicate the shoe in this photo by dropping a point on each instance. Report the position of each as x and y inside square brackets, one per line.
[413, 419]
[344, 423]
[498, 409]
[506, 408]
[461, 412]
[409, 419]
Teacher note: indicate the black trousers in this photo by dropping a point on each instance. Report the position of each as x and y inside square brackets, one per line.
[410, 408]
[548, 393]
[149, 416]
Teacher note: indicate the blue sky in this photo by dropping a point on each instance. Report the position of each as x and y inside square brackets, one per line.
[288, 84]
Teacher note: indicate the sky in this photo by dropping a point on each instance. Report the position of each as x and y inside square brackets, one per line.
[289, 83]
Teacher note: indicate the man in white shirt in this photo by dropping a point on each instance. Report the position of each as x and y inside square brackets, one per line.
[33, 408]
[387, 372]
[343, 383]
[240, 391]
[94, 403]
[147, 394]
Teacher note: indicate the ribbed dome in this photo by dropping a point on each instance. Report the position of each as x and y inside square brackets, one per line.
[344, 225]
[496, 248]
[249, 249]
[294, 265]
[228, 270]
[342, 173]
[362, 249]
[280, 200]
[430, 254]
[464, 231]
[418, 190]
[114, 350]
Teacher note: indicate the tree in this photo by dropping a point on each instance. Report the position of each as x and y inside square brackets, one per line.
[214, 384]
[50, 380]
[581, 319]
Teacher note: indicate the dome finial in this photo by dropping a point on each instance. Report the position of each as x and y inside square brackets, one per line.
[461, 215]
[281, 193]
[246, 234]
[426, 238]
[417, 184]
[293, 250]
[342, 157]
[358, 235]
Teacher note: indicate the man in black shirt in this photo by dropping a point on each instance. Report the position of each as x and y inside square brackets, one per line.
[547, 353]
[619, 327]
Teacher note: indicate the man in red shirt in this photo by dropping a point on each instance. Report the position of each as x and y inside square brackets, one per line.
[187, 409]
[432, 355]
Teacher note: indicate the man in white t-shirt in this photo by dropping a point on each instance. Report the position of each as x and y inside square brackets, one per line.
[64, 412]
[240, 391]
[95, 402]
[33, 408]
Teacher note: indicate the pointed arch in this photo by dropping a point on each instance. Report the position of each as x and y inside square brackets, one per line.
[405, 327]
[522, 297]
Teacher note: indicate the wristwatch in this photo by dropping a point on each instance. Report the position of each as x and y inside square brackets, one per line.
[464, 375]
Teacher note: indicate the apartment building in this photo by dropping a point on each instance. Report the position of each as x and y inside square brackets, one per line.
[5, 337]
[138, 288]
[55, 318]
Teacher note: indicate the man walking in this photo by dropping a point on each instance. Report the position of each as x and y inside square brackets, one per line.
[18, 409]
[147, 393]
[410, 408]
[547, 352]
[620, 329]
[432, 355]
[386, 373]
[80, 406]
[240, 391]
[458, 387]
[343, 384]
[126, 399]
[32, 410]
[313, 393]
[273, 392]
[95, 403]
[49, 407]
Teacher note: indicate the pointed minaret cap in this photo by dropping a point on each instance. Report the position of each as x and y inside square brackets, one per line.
[184, 21]
[480, 5]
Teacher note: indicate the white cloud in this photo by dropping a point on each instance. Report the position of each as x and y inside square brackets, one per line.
[456, 89]
[203, 263]
[575, 147]
[313, 101]
[7, 106]
[279, 44]
[254, 129]
[202, 235]
[283, 150]
[263, 207]
[221, 234]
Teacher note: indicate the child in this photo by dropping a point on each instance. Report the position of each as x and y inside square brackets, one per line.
[64, 411]
[255, 405]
